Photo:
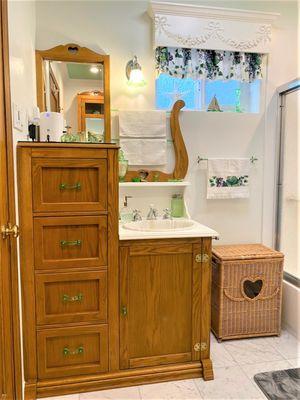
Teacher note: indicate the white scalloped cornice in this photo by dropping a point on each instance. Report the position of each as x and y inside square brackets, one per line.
[195, 11]
[215, 28]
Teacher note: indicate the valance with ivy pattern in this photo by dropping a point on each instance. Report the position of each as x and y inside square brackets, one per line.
[208, 64]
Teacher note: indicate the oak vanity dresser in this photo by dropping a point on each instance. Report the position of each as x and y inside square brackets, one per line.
[86, 325]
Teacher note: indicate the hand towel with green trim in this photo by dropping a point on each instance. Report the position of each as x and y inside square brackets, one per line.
[228, 178]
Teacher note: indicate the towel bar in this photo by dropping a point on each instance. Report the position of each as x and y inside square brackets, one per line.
[252, 159]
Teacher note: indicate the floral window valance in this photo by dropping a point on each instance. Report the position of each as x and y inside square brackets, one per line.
[208, 64]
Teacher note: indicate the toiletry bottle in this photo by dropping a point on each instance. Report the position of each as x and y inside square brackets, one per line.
[177, 206]
[126, 213]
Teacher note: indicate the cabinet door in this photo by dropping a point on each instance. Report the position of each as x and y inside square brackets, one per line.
[160, 304]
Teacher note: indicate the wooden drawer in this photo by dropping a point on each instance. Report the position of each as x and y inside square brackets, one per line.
[62, 242]
[72, 351]
[71, 297]
[69, 184]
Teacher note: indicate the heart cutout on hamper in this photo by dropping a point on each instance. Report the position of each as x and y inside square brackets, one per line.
[252, 288]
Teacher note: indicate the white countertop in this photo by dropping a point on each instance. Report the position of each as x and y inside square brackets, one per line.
[197, 230]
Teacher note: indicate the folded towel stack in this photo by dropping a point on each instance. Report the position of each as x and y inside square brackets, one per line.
[143, 137]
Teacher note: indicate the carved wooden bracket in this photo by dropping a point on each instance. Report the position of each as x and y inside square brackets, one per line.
[181, 155]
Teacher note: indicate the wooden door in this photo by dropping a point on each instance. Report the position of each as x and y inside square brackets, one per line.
[54, 92]
[160, 304]
[10, 376]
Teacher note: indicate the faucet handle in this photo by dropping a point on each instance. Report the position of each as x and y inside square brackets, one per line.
[167, 213]
[137, 215]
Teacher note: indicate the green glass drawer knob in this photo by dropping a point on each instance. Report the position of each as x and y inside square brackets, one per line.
[72, 299]
[66, 186]
[65, 243]
[68, 352]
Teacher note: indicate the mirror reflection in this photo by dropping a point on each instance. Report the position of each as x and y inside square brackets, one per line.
[74, 100]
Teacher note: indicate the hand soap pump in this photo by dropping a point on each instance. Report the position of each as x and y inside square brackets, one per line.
[126, 214]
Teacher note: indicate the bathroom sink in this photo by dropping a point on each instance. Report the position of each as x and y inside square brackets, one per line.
[160, 225]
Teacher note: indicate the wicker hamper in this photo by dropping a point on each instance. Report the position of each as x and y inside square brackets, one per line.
[246, 291]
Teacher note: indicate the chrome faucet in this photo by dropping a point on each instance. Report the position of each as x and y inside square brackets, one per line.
[152, 214]
[167, 214]
[136, 215]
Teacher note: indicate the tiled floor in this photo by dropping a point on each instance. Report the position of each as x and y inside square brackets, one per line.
[235, 364]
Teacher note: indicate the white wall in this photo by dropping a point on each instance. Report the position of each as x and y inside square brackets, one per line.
[122, 29]
[21, 17]
[291, 308]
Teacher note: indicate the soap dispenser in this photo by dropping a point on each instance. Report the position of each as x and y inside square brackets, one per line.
[126, 214]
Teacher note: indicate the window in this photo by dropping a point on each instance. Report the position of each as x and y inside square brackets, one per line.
[170, 89]
[232, 95]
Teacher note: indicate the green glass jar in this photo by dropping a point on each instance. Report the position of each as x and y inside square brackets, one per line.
[177, 206]
[123, 166]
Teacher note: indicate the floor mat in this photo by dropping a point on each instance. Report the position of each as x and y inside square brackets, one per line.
[280, 385]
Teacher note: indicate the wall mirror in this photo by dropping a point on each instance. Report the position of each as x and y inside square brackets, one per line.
[73, 94]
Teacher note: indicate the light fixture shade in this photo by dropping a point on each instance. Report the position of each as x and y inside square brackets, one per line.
[134, 73]
[136, 78]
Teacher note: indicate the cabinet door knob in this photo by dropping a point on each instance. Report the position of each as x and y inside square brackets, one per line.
[124, 311]
[75, 352]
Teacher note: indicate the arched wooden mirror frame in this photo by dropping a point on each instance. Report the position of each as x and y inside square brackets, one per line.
[74, 53]
[180, 152]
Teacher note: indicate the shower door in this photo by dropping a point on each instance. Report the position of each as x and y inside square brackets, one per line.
[288, 211]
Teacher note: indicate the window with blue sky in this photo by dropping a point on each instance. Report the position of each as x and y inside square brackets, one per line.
[232, 95]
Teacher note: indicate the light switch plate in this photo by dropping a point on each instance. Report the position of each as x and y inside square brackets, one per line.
[17, 117]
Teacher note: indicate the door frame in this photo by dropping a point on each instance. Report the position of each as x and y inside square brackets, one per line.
[282, 91]
[12, 286]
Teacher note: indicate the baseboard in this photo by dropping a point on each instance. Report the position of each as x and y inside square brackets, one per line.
[141, 376]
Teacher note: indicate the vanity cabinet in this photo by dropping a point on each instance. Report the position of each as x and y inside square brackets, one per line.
[100, 313]
[165, 303]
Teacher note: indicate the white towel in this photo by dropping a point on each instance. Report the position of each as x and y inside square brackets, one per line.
[145, 151]
[228, 179]
[143, 137]
[148, 123]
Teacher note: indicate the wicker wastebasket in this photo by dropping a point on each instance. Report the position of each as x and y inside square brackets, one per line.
[246, 291]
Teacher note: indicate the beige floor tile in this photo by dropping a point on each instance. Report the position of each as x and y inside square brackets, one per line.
[252, 351]
[253, 369]
[128, 393]
[287, 345]
[220, 356]
[230, 383]
[294, 362]
[66, 397]
[176, 390]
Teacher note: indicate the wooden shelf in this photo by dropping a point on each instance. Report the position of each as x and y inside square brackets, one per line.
[154, 184]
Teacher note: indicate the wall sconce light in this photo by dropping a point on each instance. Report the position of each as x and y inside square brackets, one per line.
[134, 73]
